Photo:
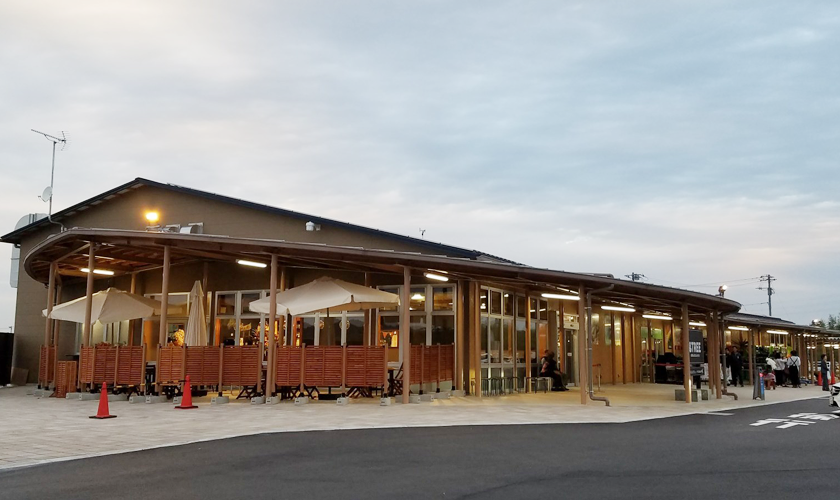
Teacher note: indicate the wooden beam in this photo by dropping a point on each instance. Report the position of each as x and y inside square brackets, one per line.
[164, 297]
[50, 302]
[405, 335]
[686, 354]
[89, 296]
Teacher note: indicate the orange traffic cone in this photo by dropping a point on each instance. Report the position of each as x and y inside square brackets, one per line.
[832, 379]
[819, 378]
[102, 412]
[186, 399]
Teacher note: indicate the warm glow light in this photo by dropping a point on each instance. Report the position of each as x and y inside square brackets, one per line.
[251, 263]
[777, 332]
[438, 277]
[152, 217]
[696, 323]
[98, 271]
[617, 308]
[657, 316]
[560, 296]
[739, 328]
[417, 296]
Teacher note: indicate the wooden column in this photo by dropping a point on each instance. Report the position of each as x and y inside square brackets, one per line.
[405, 335]
[56, 328]
[367, 334]
[686, 354]
[272, 328]
[751, 353]
[283, 319]
[528, 347]
[460, 329]
[164, 298]
[623, 352]
[831, 360]
[714, 353]
[469, 354]
[476, 336]
[132, 323]
[88, 296]
[583, 358]
[50, 301]
[612, 349]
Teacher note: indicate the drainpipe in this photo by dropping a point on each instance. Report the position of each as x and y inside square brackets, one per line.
[589, 295]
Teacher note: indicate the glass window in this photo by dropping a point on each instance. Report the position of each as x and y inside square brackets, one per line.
[249, 331]
[483, 298]
[355, 330]
[418, 329]
[417, 299]
[608, 328]
[507, 343]
[226, 304]
[443, 329]
[484, 358]
[544, 310]
[227, 330]
[389, 331]
[520, 339]
[495, 302]
[330, 333]
[443, 298]
[495, 340]
[534, 306]
[521, 307]
[393, 290]
[507, 299]
[247, 298]
[308, 331]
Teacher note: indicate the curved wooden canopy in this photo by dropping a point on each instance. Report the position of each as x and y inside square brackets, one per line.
[128, 252]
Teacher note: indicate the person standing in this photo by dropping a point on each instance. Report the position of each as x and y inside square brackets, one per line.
[793, 369]
[736, 363]
[779, 368]
[824, 371]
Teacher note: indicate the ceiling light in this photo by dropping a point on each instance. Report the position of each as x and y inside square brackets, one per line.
[739, 328]
[251, 263]
[98, 271]
[777, 332]
[657, 316]
[438, 277]
[696, 323]
[560, 296]
[617, 308]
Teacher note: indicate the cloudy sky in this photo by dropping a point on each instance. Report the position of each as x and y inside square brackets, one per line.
[694, 142]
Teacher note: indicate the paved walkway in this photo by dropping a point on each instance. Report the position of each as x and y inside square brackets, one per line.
[45, 430]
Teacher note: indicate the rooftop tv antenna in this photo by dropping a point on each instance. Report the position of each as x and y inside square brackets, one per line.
[47, 195]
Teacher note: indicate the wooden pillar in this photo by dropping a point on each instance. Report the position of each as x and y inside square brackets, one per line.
[367, 334]
[528, 347]
[133, 322]
[50, 301]
[831, 360]
[460, 329]
[686, 354]
[272, 328]
[751, 353]
[470, 368]
[476, 338]
[56, 328]
[88, 296]
[282, 323]
[405, 334]
[164, 297]
[583, 358]
[714, 353]
[612, 350]
[623, 352]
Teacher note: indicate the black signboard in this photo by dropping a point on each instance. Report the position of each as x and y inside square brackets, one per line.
[695, 351]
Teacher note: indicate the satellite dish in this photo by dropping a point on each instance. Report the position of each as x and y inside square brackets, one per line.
[47, 194]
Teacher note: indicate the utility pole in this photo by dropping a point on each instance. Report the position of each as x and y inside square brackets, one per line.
[635, 276]
[769, 279]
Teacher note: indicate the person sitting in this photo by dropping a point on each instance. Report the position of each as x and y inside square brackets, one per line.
[550, 369]
[769, 379]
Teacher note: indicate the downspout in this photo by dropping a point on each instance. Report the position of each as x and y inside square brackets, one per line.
[589, 295]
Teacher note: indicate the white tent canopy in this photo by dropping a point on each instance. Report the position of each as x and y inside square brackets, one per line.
[108, 306]
[196, 333]
[326, 295]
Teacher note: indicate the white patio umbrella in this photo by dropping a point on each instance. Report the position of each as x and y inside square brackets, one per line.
[108, 306]
[326, 295]
[196, 333]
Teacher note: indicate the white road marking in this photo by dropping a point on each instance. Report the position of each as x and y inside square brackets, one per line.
[721, 414]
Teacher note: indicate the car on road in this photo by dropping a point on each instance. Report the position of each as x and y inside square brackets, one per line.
[834, 396]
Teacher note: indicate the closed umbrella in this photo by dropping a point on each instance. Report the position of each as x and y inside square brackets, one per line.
[326, 295]
[196, 333]
[108, 306]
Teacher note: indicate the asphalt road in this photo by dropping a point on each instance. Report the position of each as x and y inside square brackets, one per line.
[698, 456]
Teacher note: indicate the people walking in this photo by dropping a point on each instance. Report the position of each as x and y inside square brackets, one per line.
[825, 372]
[736, 363]
[793, 369]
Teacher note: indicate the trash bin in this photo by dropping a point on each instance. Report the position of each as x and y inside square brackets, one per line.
[834, 396]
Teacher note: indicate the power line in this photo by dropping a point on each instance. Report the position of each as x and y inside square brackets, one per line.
[769, 280]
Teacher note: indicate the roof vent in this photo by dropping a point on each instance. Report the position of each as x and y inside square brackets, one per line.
[192, 228]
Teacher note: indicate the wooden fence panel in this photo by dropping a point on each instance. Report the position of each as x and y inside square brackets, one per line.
[287, 366]
[323, 366]
[46, 365]
[105, 364]
[131, 365]
[170, 365]
[86, 355]
[416, 364]
[447, 362]
[202, 365]
[65, 380]
[239, 365]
